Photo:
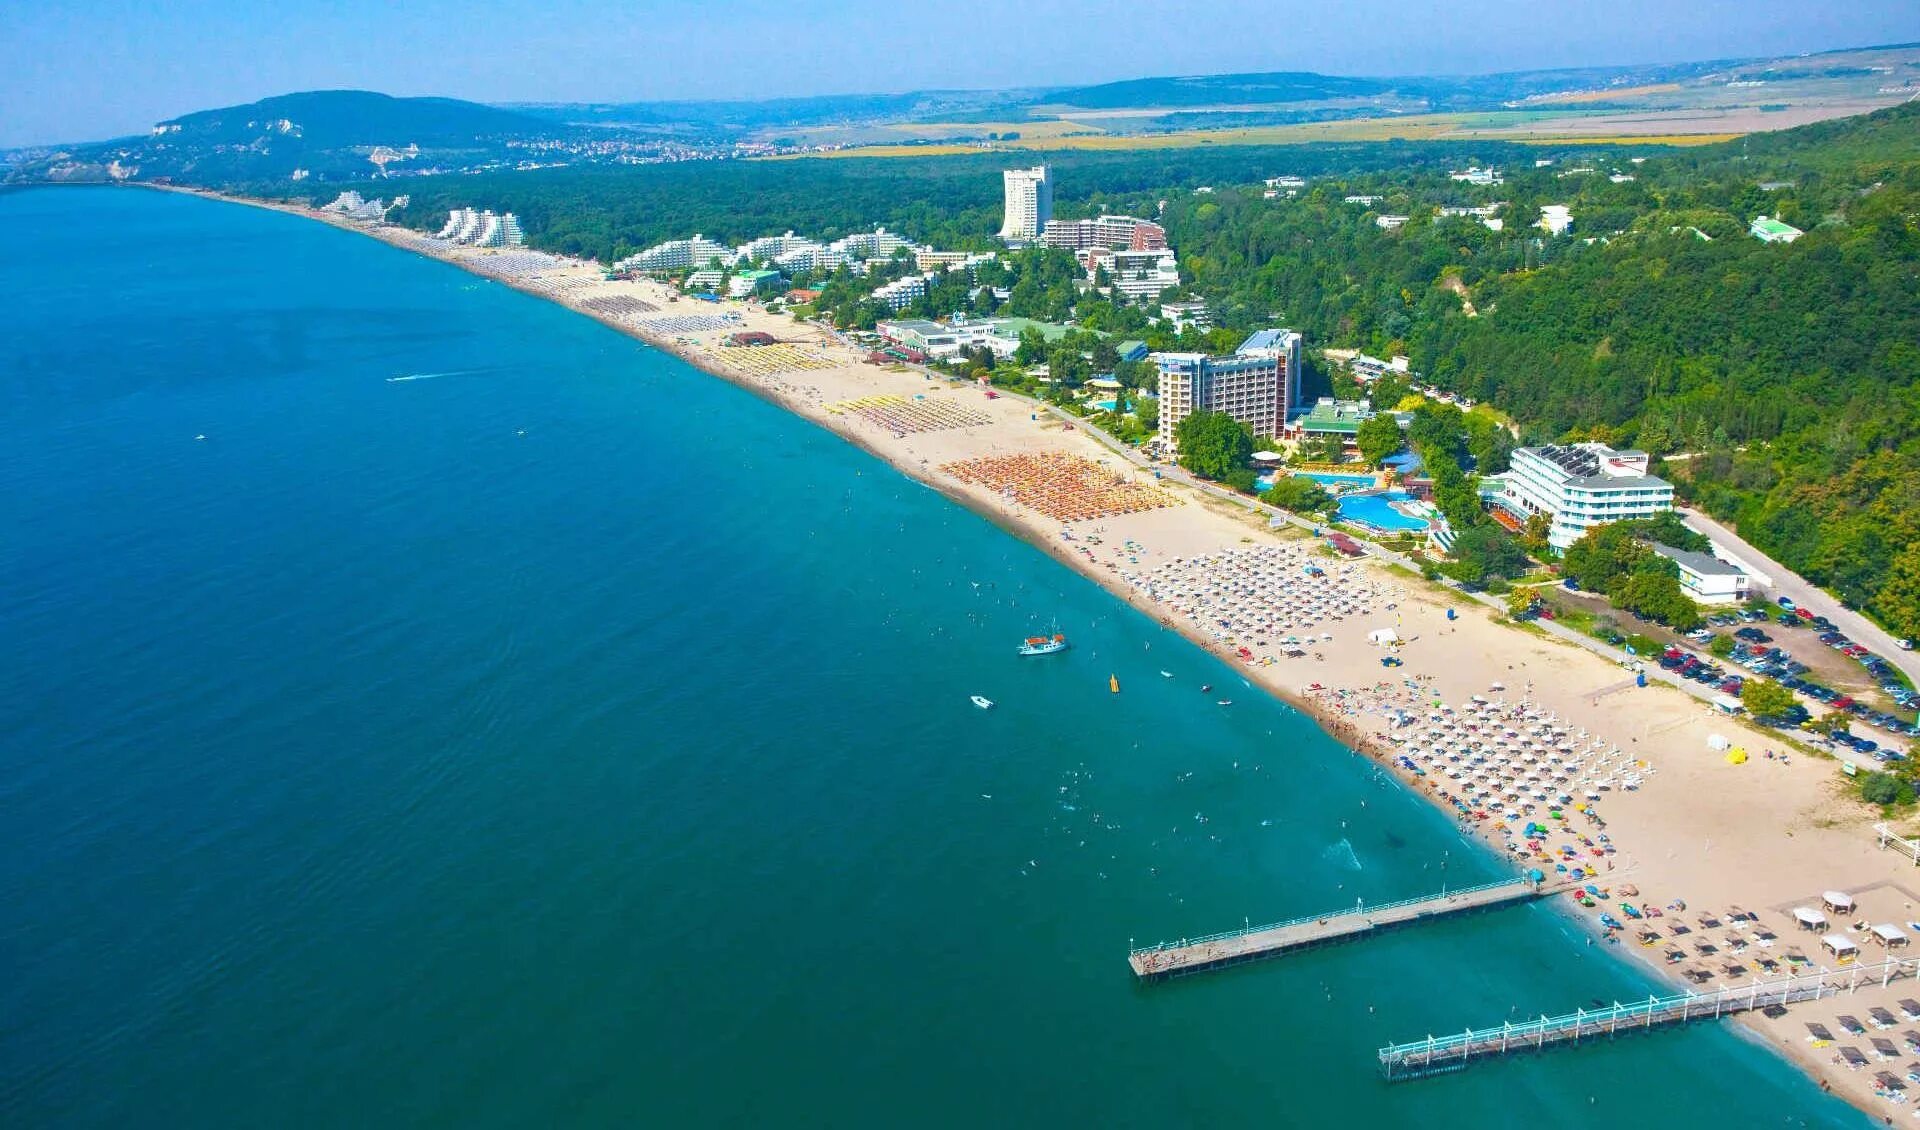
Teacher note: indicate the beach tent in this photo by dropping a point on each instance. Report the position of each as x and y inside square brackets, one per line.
[1809, 918]
[1383, 636]
[1840, 946]
[1890, 935]
[1717, 743]
[1737, 757]
[1840, 902]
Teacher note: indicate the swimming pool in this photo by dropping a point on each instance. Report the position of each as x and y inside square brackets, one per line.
[1107, 405]
[1376, 510]
[1328, 479]
[1266, 479]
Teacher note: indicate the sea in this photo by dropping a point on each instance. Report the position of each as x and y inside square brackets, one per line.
[423, 705]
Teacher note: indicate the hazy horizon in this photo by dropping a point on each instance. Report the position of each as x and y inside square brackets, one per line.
[159, 63]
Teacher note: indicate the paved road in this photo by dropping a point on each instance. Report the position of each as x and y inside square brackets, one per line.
[1803, 592]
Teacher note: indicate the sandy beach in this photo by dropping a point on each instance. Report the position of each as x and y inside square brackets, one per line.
[1501, 727]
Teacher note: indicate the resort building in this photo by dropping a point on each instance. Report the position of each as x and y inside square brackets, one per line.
[1555, 219]
[904, 291]
[1766, 229]
[1252, 385]
[355, 207]
[1391, 222]
[1029, 202]
[483, 229]
[748, 283]
[812, 258]
[1136, 275]
[1706, 578]
[1115, 233]
[676, 254]
[1184, 314]
[876, 244]
[707, 280]
[1329, 417]
[1358, 198]
[1476, 175]
[936, 340]
[1579, 486]
[770, 247]
[1286, 346]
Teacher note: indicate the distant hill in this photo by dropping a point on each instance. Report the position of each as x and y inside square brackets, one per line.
[1215, 90]
[321, 134]
[333, 118]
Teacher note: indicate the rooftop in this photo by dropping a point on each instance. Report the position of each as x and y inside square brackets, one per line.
[1705, 564]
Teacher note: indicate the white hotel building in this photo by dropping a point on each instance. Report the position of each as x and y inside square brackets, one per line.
[1579, 486]
[675, 254]
[1029, 202]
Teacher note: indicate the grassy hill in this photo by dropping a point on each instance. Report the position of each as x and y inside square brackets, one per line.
[326, 119]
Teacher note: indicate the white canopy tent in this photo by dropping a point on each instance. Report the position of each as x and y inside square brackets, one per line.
[1809, 918]
[1840, 946]
[1840, 902]
[1890, 935]
[1381, 637]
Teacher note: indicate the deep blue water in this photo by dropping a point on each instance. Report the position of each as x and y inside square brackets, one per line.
[571, 738]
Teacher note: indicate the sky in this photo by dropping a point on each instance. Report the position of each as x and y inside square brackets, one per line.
[79, 70]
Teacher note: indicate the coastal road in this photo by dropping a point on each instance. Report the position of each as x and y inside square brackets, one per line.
[1803, 592]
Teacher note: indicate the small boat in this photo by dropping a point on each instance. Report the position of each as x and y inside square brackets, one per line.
[1205, 687]
[1113, 683]
[1226, 702]
[1043, 645]
[983, 702]
[1166, 674]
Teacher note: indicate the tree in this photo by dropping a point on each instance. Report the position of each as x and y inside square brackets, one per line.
[1520, 602]
[1899, 600]
[1213, 444]
[1720, 646]
[1378, 438]
[1886, 789]
[1535, 536]
[1483, 552]
[1300, 495]
[1832, 722]
[1327, 447]
[1765, 698]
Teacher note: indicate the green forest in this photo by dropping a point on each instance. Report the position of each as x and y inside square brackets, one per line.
[1779, 384]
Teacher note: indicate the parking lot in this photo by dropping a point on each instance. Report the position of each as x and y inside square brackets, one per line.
[1801, 651]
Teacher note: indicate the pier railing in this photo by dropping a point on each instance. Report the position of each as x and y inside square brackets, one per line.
[1362, 907]
[1437, 1054]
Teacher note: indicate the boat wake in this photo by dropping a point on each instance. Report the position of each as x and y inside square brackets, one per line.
[432, 376]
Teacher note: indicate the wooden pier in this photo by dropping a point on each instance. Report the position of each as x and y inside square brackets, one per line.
[1237, 947]
[1436, 1055]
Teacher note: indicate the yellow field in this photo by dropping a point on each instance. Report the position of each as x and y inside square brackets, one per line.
[1680, 139]
[1036, 129]
[1499, 126]
[1605, 95]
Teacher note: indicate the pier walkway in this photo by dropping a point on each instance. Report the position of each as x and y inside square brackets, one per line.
[1237, 947]
[1438, 1054]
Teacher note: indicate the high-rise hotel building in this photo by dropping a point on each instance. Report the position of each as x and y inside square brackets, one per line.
[1029, 202]
[1256, 385]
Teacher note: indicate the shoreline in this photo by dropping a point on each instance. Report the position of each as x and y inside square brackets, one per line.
[1206, 528]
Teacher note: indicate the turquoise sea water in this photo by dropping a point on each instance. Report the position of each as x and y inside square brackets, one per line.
[570, 738]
